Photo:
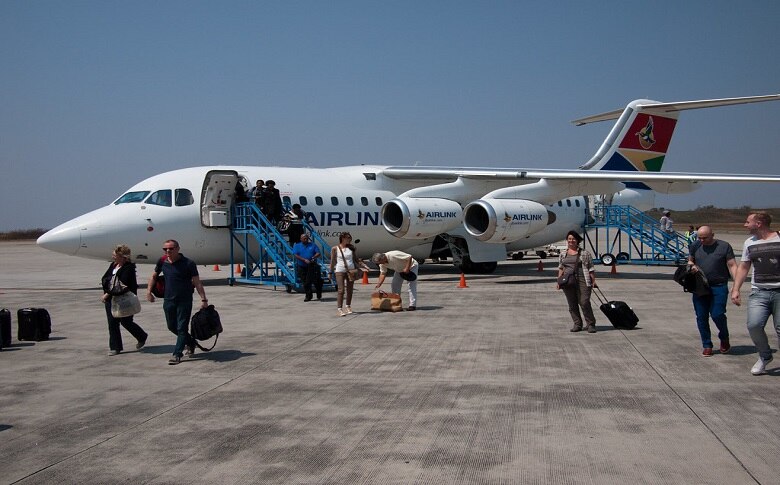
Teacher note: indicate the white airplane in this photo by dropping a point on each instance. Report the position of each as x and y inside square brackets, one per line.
[477, 214]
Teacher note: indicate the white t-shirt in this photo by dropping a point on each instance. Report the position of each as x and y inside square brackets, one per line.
[396, 260]
[764, 254]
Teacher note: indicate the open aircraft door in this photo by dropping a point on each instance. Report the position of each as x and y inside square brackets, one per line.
[217, 197]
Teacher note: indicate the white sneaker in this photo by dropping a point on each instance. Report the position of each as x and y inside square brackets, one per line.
[349, 310]
[341, 313]
[759, 367]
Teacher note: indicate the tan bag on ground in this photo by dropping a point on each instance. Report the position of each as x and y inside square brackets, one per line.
[386, 302]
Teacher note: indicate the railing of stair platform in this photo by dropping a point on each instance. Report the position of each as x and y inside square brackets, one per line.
[272, 262]
[631, 236]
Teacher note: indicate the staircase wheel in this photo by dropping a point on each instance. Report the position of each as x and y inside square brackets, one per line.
[623, 256]
[607, 259]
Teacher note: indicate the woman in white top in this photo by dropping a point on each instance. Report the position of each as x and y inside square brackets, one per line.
[343, 260]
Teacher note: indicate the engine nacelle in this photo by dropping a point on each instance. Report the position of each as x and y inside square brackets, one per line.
[420, 218]
[505, 220]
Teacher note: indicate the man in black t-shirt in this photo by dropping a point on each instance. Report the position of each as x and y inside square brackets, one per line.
[715, 259]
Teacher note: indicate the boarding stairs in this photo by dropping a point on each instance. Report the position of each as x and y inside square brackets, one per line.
[621, 234]
[266, 253]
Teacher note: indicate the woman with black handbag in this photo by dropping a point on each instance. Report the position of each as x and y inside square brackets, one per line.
[577, 277]
[119, 279]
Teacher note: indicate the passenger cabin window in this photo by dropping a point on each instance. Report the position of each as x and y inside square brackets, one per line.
[303, 201]
[161, 197]
[568, 202]
[378, 201]
[334, 201]
[577, 202]
[364, 200]
[318, 200]
[132, 197]
[350, 201]
[286, 201]
[184, 197]
[560, 203]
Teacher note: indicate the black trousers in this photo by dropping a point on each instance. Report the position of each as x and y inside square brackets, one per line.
[310, 277]
[114, 334]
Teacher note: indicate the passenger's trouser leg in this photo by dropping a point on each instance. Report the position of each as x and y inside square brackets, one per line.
[584, 302]
[177, 317]
[574, 309]
[761, 304]
[114, 335]
[341, 279]
[720, 297]
[701, 305]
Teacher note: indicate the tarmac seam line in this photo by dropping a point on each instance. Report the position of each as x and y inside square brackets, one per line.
[682, 399]
[228, 381]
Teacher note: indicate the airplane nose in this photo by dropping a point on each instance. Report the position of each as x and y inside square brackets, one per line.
[65, 239]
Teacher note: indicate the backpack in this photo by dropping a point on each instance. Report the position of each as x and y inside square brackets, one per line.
[206, 324]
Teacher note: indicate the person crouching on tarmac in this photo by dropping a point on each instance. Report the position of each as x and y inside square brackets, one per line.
[405, 267]
[181, 276]
[578, 296]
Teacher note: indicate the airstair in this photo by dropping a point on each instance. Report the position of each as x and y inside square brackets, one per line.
[621, 234]
[266, 254]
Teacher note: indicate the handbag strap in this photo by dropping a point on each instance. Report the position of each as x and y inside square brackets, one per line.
[204, 348]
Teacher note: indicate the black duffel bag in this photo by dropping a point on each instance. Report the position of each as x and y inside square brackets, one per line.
[206, 324]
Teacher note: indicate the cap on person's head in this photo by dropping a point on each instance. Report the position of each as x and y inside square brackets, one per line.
[667, 213]
[377, 257]
[270, 182]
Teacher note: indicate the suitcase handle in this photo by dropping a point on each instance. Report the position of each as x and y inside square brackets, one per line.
[602, 299]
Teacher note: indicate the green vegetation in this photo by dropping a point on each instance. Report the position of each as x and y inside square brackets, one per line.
[22, 234]
[722, 219]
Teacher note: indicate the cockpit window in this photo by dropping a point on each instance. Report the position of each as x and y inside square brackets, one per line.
[132, 197]
[161, 197]
[184, 197]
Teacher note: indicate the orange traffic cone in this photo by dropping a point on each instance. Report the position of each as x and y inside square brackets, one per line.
[238, 268]
[216, 267]
[462, 283]
[540, 267]
[614, 269]
[365, 277]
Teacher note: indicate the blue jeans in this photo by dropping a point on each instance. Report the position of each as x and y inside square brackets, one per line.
[761, 304]
[177, 317]
[713, 305]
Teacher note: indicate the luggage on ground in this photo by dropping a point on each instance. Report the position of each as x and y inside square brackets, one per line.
[5, 328]
[386, 302]
[206, 324]
[34, 324]
[619, 314]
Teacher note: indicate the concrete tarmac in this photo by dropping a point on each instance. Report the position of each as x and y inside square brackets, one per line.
[481, 385]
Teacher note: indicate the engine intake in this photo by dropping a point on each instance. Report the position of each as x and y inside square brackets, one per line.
[505, 220]
[420, 218]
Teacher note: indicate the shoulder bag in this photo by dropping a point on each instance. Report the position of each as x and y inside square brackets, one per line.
[352, 274]
[569, 277]
[125, 304]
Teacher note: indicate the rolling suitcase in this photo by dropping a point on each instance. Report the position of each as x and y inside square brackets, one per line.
[34, 324]
[5, 328]
[619, 314]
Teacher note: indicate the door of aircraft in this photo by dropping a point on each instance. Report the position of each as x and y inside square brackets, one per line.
[217, 197]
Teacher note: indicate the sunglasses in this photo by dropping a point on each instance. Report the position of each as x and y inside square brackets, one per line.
[168, 249]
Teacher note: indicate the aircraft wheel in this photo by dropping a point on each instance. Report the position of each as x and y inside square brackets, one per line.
[288, 288]
[607, 259]
[518, 255]
[541, 254]
[623, 256]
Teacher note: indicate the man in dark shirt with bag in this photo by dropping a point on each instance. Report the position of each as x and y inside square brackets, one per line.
[715, 259]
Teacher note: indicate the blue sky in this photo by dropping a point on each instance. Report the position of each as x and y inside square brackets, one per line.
[98, 95]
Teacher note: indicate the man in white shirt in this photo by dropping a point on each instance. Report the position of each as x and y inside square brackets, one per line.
[762, 252]
[405, 267]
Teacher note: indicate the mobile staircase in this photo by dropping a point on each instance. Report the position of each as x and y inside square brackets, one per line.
[621, 234]
[267, 255]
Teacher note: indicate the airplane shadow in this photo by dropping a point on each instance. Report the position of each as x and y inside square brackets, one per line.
[4, 427]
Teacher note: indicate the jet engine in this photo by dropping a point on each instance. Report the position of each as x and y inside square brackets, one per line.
[505, 220]
[420, 218]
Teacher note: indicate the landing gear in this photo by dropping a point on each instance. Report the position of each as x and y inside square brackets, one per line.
[607, 259]
[485, 267]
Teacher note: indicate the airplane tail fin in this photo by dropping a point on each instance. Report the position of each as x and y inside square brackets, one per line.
[641, 137]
